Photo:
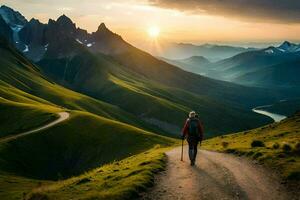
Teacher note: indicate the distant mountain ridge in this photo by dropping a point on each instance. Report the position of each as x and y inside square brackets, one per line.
[259, 62]
[290, 47]
[194, 64]
[271, 67]
[210, 51]
[285, 47]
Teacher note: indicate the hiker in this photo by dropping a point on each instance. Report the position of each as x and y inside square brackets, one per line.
[193, 132]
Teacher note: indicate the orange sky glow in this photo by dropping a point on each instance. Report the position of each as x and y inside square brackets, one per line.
[132, 19]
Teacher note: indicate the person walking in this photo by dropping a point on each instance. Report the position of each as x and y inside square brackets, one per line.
[193, 132]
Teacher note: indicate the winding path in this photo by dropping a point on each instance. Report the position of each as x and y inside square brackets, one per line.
[62, 117]
[215, 176]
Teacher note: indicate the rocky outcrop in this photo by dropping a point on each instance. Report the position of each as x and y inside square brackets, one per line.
[12, 17]
[5, 31]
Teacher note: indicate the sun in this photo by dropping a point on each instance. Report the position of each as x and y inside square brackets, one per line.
[153, 31]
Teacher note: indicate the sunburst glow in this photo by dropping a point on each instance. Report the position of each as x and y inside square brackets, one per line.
[153, 31]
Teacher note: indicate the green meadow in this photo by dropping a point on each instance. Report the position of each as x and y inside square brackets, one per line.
[276, 145]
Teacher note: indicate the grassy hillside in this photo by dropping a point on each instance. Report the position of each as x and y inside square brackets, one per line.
[283, 75]
[114, 77]
[32, 116]
[276, 145]
[159, 71]
[147, 98]
[79, 144]
[21, 81]
[83, 142]
[17, 73]
[171, 105]
[119, 180]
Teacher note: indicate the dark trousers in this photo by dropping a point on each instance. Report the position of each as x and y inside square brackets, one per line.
[193, 145]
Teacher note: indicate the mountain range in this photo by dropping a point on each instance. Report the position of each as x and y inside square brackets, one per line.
[194, 64]
[212, 52]
[105, 67]
[272, 67]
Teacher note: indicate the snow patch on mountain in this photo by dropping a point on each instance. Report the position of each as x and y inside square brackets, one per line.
[289, 47]
[79, 41]
[285, 47]
[26, 49]
[17, 28]
[270, 51]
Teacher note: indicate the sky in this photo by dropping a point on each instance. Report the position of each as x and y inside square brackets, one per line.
[240, 22]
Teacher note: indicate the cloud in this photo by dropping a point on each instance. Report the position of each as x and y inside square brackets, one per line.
[65, 9]
[276, 11]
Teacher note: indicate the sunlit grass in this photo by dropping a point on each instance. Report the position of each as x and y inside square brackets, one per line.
[274, 137]
[119, 180]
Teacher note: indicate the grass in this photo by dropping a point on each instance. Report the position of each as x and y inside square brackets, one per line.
[152, 90]
[119, 180]
[32, 116]
[22, 82]
[162, 102]
[275, 145]
[82, 142]
[107, 132]
[14, 187]
[96, 134]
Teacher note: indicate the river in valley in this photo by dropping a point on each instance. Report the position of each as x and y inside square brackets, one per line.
[274, 116]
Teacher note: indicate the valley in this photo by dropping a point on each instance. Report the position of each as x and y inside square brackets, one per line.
[274, 116]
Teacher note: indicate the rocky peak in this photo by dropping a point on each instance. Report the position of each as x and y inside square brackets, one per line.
[286, 44]
[66, 25]
[104, 31]
[102, 27]
[34, 21]
[289, 47]
[12, 17]
[64, 20]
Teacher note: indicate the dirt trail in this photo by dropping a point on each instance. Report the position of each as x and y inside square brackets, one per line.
[62, 117]
[215, 176]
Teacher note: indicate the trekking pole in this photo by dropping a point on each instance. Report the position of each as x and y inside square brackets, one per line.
[182, 150]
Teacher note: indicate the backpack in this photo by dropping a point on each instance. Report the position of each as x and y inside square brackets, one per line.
[193, 128]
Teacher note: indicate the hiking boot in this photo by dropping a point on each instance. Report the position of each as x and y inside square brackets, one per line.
[192, 162]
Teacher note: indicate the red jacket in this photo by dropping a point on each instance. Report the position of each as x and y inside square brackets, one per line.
[185, 130]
